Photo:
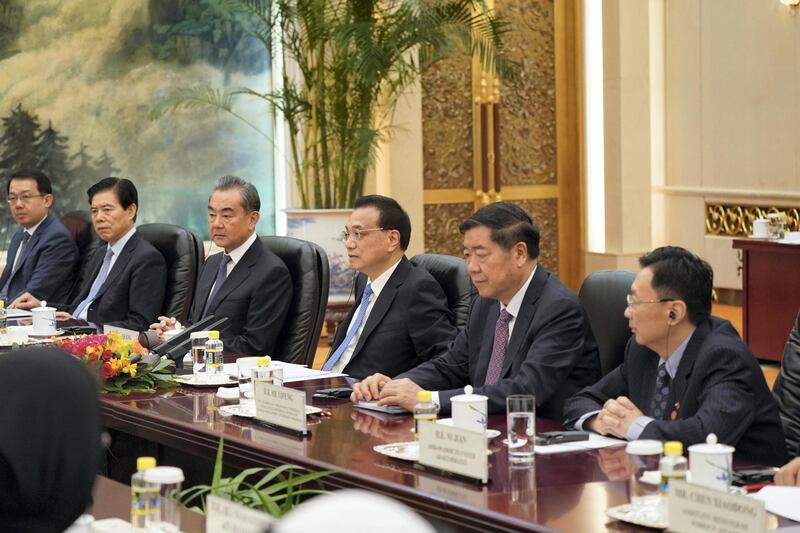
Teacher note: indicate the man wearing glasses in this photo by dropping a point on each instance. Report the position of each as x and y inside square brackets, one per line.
[401, 317]
[42, 257]
[686, 374]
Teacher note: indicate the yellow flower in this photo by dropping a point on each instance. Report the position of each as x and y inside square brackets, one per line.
[130, 369]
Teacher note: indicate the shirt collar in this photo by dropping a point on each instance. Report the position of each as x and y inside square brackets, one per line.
[380, 282]
[32, 229]
[120, 244]
[237, 253]
[675, 357]
[516, 301]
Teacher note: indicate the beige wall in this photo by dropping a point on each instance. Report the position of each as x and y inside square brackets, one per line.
[732, 115]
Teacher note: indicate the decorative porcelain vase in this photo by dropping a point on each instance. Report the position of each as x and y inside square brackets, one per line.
[324, 227]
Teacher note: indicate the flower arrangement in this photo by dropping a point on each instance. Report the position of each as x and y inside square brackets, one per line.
[124, 366]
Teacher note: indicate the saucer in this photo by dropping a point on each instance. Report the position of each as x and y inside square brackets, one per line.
[405, 451]
[224, 381]
[248, 412]
[490, 433]
[56, 333]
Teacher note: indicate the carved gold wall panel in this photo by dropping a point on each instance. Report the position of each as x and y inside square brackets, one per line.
[528, 104]
[441, 227]
[545, 216]
[737, 220]
[447, 124]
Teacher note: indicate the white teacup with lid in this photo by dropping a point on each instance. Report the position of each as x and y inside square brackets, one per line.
[710, 464]
[44, 319]
[470, 410]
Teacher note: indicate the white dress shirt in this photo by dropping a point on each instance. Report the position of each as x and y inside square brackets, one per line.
[377, 286]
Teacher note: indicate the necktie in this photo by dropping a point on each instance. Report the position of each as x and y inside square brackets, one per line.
[658, 406]
[98, 282]
[17, 261]
[222, 273]
[499, 347]
[362, 310]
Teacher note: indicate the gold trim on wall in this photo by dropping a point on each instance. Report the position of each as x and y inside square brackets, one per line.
[737, 220]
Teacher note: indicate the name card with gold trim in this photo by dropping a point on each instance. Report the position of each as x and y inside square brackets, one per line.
[280, 407]
[454, 450]
[695, 508]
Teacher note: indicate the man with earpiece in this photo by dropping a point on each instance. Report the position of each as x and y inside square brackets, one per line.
[685, 374]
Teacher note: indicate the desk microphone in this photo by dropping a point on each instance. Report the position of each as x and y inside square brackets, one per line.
[175, 347]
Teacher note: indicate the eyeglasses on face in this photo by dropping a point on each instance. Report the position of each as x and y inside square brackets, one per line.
[357, 234]
[24, 198]
[633, 301]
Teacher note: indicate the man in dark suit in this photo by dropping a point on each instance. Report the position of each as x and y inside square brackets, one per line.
[526, 334]
[246, 283]
[685, 374]
[401, 318]
[42, 256]
[129, 276]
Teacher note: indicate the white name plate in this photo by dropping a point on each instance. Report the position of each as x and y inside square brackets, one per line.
[225, 515]
[127, 334]
[281, 406]
[696, 508]
[455, 450]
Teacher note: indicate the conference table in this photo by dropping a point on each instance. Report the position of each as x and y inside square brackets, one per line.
[565, 492]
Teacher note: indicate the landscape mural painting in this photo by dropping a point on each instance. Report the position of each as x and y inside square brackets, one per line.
[79, 81]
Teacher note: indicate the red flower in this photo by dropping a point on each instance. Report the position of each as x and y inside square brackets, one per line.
[107, 355]
[107, 371]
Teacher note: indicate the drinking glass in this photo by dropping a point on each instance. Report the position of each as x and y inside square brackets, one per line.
[645, 478]
[244, 367]
[521, 426]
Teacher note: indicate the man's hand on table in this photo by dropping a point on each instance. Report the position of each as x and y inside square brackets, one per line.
[615, 418]
[789, 474]
[400, 392]
[369, 389]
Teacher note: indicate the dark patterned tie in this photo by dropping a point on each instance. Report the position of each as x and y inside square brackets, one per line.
[222, 273]
[499, 347]
[658, 406]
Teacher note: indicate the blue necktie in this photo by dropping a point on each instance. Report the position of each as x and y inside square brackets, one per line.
[98, 282]
[658, 405]
[362, 310]
[222, 273]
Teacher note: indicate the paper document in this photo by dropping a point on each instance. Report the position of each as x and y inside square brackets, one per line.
[18, 313]
[391, 409]
[595, 441]
[781, 501]
[291, 372]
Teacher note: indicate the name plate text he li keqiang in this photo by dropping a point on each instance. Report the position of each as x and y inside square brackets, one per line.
[281, 406]
[455, 450]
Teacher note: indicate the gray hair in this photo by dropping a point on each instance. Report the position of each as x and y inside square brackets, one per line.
[250, 199]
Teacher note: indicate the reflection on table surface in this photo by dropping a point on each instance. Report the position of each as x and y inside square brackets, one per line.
[567, 492]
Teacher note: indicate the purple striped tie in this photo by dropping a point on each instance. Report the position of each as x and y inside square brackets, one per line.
[499, 347]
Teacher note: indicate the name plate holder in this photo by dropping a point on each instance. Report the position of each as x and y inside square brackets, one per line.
[225, 515]
[697, 508]
[453, 452]
[281, 408]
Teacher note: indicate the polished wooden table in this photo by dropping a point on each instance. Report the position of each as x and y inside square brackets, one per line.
[770, 294]
[566, 492]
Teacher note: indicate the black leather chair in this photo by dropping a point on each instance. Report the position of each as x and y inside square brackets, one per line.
[79, 224]
[183, 251]
[603, 297]
[451, 273]
[308, 266]
[787, 390]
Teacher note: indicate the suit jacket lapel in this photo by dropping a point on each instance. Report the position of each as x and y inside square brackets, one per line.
[383, 302]
[14, 245]
[341, 330]
[684, 371]
[240, 272]
[487, 341]
[120, 263]
[32, 242]
[523, 320]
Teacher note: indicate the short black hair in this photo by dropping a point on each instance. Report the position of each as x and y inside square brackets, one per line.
[122, 187]
[509, 223]
[43, 184]
[392, 216]
[680, 274]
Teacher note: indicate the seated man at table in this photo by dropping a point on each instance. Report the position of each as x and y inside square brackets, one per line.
[42, 257]
[246, 282]
[685, 374]
[401, 319]
[129, 276]
[526, 333]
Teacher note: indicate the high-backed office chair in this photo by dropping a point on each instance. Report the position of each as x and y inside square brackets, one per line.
[451, 273]
[308, 266]
[787, 390]
[183, 252]
[603, 297]
[79, 224]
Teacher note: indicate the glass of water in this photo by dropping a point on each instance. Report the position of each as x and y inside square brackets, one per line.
[521, 425]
